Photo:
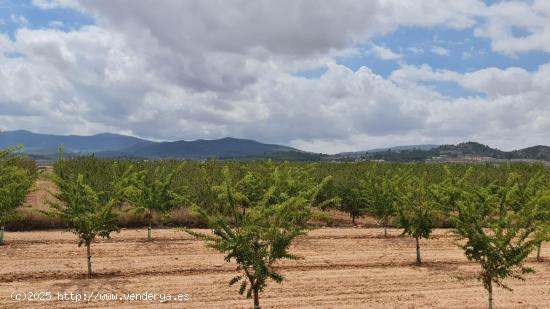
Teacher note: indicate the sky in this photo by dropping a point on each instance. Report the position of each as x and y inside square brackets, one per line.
[320, 75]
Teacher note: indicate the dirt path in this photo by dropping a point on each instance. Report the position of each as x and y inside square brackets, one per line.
[343, 268]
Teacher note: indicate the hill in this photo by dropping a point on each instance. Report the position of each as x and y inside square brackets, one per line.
[534, 153]
[46, 144]
[202, 149]
[463, 152]
[404, 147]
[108, 145]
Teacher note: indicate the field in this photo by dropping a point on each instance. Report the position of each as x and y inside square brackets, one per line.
[257, 209]
[342, 268]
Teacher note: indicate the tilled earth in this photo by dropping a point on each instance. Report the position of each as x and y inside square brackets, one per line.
[341, 268]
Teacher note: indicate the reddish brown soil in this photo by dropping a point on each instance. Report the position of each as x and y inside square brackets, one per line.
[342, 268]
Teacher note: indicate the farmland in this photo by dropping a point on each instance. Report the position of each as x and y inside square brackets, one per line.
[288, 234]
[343, 268]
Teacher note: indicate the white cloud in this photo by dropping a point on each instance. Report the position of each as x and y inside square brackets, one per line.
[19, 20]
[502, 18]
[442, 51]
[52, 4]
[416, 50]
[55, 24]
[384, 53]
[209, 69]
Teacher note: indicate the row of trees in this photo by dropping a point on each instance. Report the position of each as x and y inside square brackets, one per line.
[254, 219]
[501, 222]
[256, 209]
[501, 213]
[17, 176]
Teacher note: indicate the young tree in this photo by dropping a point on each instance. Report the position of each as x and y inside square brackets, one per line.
[262, 235]
[496, 229]
[79, 207]
[87, 212]
[542, 233]
[416, 210]
[381, 196]
[153, 193]
[352, 201]
[15, 183]
[539, 196]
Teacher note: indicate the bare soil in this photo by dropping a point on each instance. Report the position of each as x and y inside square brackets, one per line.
[342, 268]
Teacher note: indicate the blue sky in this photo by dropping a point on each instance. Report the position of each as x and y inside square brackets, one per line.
[437, 71]
[14, 13]
[441, 48]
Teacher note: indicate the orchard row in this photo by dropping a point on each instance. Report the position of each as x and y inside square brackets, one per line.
[256, 209]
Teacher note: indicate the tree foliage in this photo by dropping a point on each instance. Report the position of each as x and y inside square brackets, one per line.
[262, 235]
[416, 210]
[16, 179]
[496, 223]
[84, 211]
[152, 192]
[382, 196]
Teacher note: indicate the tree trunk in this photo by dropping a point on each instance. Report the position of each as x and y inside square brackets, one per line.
[538, 252]
[1, 235]
[149, 231]
[353, 219]
[256, 298]
[149, 219]
[385, 230]
[89, 260]
[418, 259]
[490, 290]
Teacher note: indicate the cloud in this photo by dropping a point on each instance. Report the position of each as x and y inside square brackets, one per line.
[53, 4]
[209, 69]
[55, 24]
[415, 50]
[19, 20]
[438, 50]
[504, 19]
[384, 53]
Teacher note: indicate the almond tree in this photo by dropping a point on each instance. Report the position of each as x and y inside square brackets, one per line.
[87, 212]
[15, 183]
[497, 230]
[352, 201]
[542, 233]
[381, 196]
[79, 207]
[262, 235]
[416, 211]
[153, 193]
[539, 197]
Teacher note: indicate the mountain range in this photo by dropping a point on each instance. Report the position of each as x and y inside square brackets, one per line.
[469, 151]
[45, 146]
[115, 145]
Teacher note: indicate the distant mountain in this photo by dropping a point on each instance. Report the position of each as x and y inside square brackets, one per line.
[107, 145]
[535, 153]
[406, 147]
[291, 155]
[36, 143]
[471, 148]
[202, 149]
[395, 148]
[463, 152]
